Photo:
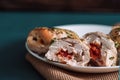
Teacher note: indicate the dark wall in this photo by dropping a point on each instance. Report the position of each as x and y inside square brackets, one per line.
[61, 5]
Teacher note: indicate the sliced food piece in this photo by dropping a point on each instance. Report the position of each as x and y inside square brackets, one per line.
[115, 35]
[102, 49]
[69, 51]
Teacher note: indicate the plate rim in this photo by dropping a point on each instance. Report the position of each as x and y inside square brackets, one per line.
[100, 25]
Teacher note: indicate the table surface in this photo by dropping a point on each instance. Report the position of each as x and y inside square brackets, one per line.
[14, 28]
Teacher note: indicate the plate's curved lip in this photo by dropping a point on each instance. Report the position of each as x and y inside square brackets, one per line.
[85, 25]
[93, 25]
[85, 28]
[75, 67]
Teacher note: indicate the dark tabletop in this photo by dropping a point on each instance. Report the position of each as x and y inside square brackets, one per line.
[14, 28]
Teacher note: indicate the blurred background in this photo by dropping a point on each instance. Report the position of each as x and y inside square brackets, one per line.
[61, 5]
[15, 26]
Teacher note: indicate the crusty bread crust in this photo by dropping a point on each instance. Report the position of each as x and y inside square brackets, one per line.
[39, 39]
[116, 26]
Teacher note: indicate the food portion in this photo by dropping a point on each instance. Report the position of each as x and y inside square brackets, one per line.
[66, 47]
[115, 36]
[102, 49]
[39, 39]
[69, 51]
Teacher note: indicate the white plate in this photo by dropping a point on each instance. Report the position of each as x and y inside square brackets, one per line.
[81, 29]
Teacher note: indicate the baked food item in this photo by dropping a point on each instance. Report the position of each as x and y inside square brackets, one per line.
[39, 39]
[116, 26]
[69, 51]
[102, 49]
[115, 36]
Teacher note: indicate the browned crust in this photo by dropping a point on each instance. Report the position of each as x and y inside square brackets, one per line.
[39, 39]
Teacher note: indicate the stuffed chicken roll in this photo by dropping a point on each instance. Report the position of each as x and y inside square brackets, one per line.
[69, 51]
[39, 39]
[115, 35]
[102, 49]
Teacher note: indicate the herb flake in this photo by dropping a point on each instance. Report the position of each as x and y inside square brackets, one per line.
[111, 58]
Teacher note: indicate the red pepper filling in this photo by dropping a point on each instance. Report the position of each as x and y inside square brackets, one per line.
[95, 51]
[63, 53]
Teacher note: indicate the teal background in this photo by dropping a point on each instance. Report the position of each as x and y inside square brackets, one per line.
[15, 26]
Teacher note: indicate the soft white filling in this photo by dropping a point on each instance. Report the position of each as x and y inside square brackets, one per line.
[77, 59]
[108, 49]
